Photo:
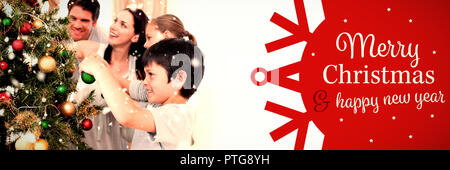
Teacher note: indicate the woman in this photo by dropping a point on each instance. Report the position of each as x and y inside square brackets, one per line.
[125, 46]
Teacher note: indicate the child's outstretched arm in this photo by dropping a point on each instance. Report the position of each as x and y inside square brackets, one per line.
[134, 88]
[123, 108]
[124, 83]
[84, 48]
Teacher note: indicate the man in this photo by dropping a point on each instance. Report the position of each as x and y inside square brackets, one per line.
[83, 16]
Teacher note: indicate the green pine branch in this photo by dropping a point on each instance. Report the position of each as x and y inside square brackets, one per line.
[31, 94]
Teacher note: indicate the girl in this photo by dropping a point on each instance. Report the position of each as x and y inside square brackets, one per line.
[164, 27]
[170, 85]
[125, 46]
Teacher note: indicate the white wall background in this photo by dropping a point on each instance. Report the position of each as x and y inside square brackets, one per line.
[232, 35]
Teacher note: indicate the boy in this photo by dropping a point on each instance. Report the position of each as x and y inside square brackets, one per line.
[173, 71]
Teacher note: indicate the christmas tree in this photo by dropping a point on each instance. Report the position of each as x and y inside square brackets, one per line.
[35, 80]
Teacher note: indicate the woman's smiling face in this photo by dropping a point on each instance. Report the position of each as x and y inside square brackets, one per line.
[122, 30]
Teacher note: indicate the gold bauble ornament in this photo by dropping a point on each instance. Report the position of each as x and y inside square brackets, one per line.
[68, 108]
[26, 142]
[41, 144]
[47, 64]
[37, 24]
[1, 6]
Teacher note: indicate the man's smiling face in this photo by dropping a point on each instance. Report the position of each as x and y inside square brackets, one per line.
[81, 23]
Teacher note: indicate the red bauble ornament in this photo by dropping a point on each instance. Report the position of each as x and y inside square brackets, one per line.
[17, 45]
[5, 96]
[26, 28]
[86, 124]
[3, 65]
[33, 3]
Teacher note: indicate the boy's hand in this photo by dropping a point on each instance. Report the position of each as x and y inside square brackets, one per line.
[93, 64]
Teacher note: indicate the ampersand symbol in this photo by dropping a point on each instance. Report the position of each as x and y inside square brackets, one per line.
[319, 100]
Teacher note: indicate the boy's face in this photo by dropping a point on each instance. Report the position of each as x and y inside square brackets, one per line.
[81, 23]
[156, 83]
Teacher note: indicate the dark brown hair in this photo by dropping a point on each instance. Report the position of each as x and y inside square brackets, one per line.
[172, 23]
[168, 53]
[89, 5]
